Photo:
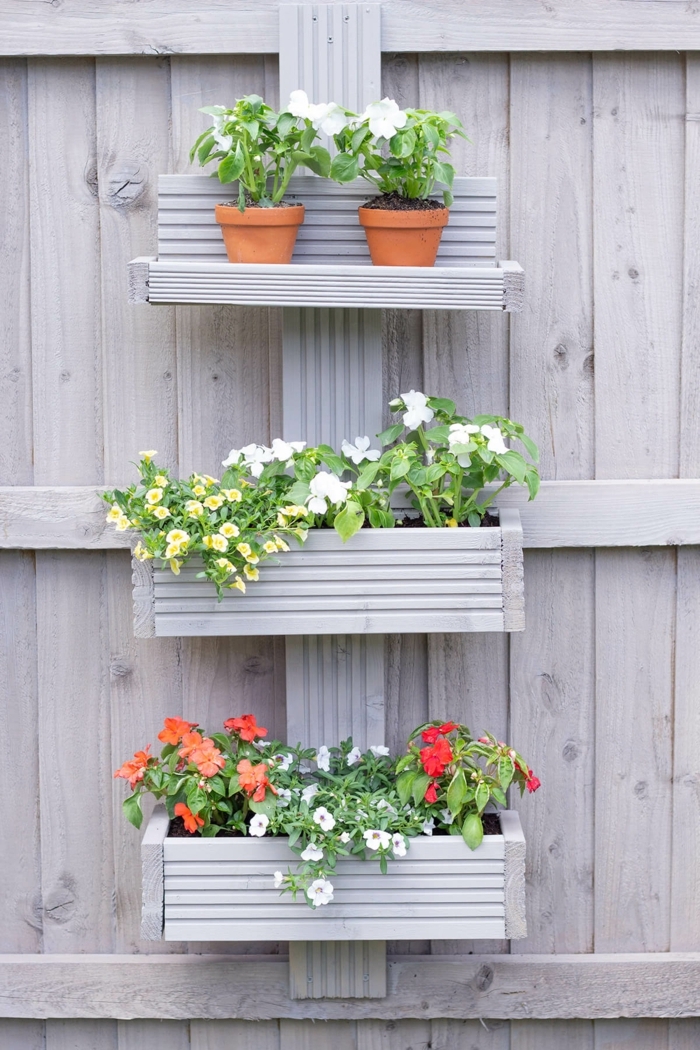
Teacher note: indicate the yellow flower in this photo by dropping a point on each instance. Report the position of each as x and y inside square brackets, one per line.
[228, 529]
[199, 490]
[123, 524]
[244, 549]
[210, 481]
[154, 496]
[282, 520]
[295, 511]
[161, 512]
[224, 563]
[197, 479]
[451, 523]
[194, 508]
[270, 547]
[175, 566]
[160, 480]
[172, 549]
[178, 536]
[115, 513]
[217, 543]
[239, 584]
[213, 502]
[280, 544]
[302, 534]
[140, 552]
[253, 559]
[251, 574]
[148, 456]
[232, 495]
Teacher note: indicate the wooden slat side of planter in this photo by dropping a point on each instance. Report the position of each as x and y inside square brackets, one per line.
[144, 598]
[152, 884]
[381, 581]
[222, 889]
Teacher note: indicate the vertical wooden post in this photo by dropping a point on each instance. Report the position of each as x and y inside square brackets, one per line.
[332, 389]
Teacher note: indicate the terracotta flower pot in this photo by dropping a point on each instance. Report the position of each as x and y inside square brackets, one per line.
[403, 238]
[259, 235]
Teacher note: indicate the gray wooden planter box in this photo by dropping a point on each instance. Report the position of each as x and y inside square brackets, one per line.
[331, 266]
[222, 890]
[382, 581]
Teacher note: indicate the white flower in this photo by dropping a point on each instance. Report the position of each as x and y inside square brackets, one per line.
[495, 439]
[446, 817]
[284, 761]
[383, 804]
[335, 119]
[344, 838]
[284, 450]
[360, 450]
[283, 797]
[309, 792]
[312, 852]
[428, 826]
[324, 819]
[255, 457]
[354, 756]
[377, 839]
[232, 459]
[323, 758]
[379, 750]
[460, 434]
[258, 825]
[398, 845]
[260, 745]
[384, 117]
[279, 879]
[328, 116]
[328, 487]
[224, 142]
[418, 411]
[320, 892]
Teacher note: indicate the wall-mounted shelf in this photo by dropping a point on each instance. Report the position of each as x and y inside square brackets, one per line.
[331, 265]
[381, 581]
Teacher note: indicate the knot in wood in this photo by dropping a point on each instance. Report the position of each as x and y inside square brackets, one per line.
[127, 183]
[483, 979]
[59, 903]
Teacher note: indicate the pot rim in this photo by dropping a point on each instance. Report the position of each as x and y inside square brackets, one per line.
[229, 215]
[418, 219]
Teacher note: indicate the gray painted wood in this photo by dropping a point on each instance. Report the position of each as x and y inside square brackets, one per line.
[441, 26]
[222, 889]
[643, 985]
[337, 970]
[435, 580]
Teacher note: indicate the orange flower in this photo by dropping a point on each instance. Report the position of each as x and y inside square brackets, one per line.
[245, 727]
[191, 820]
[253, 779]
[134, 770]
[190, 743]
[435, 758]
[207, 758]
[174, 730]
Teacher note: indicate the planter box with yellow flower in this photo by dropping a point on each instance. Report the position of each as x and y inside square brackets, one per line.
[267, 841]
[278, 546]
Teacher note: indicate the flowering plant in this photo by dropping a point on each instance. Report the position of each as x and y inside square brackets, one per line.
[403, 152]
[347, 803]
[262, 149]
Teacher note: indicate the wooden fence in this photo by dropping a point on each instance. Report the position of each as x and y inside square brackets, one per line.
[596, 156]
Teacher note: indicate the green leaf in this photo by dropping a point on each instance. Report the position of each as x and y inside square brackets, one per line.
[381, 519]
[531, 447]
[205, 148]
[442, 404]
[404, 784]
[438, 435]
[285, 122]
[403, 143]
[367, 475]
[456, 792]
[304, 469]
[217, 786]
[420, 786]
[532, 480]
[344, 168]
[333, 461]
[359, 137]
[234, 784]
[474, 519]
[389, 436]
[399, 469]
[434, 472]
[482, 795]
[499, 796]
[232, 165]
[472, 830]
[444, 173]
[132, 809]
[267, 806]
[447, 198]
[298, 494]
[514, 463]
[506, 769]
[349, 521]
[319, 162]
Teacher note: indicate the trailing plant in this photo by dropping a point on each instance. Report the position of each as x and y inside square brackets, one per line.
[404, 152]
[269, 495]
[332, 802]
[261, 149]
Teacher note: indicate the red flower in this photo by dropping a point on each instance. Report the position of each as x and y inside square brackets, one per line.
[134, 770]
[190, 743]
[191, 820]
[245, 727]
[174, 730]
[431, 792]
[532, 782]
[253, 779]
[435, 758]
[430, 735]
[207, 758]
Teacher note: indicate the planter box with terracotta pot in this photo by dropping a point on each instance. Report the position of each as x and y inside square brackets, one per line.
[331, 265]
[221, 889]
[382, 581]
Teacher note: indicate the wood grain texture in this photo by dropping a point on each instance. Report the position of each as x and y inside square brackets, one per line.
[439, 25]
[153, 1035]
[690, 364]
[137, 279]
[15, 318]
[393, 1035]
[514, 896]
[337, 969]
[522, 987]
[512, 569]
[143, 599]
[234, 1035]
[152, 884]
[625, 1035]
[29, 1035]
[550, 1035]
[81, 1035]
